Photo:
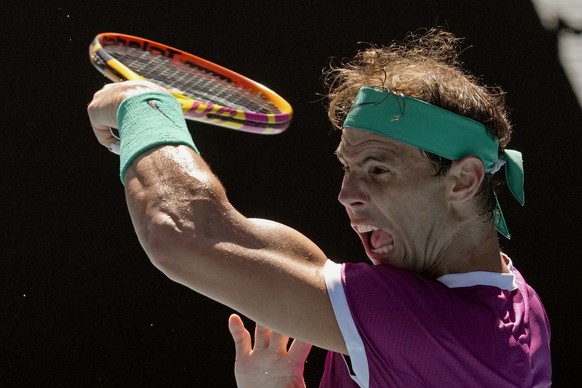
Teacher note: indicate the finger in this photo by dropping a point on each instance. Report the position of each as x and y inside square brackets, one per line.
[299, 350]
[104, 135]
[102, 110]
[262, 337]
[240, 336]
[278, 342]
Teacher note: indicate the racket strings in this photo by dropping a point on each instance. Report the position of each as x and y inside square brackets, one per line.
[191, 80]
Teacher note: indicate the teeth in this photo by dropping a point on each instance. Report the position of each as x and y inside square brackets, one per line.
[384, 249]
[365, 228]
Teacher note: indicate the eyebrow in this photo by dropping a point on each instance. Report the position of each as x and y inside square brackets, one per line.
[380, 156]
[384, 152]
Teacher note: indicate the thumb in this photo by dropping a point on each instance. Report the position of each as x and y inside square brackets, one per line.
[240, 336]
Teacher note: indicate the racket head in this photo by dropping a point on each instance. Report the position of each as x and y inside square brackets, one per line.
[208, 92]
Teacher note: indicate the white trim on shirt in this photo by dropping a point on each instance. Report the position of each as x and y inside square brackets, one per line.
[504, 281]
[335, 289]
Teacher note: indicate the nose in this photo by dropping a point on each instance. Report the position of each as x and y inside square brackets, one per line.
[353, 192]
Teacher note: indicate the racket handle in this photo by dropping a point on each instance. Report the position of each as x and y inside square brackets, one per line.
[115, 147]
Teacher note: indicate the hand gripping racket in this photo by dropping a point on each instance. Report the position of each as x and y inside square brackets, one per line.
[208, 92]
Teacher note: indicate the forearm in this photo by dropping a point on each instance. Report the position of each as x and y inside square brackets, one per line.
[176, 205]
[186, 224]
[168, 185]
[193, 234]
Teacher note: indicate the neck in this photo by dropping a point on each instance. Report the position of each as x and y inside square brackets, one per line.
[473, 250]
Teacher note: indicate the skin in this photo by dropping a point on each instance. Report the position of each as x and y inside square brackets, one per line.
[270, 363]
[425, 224]
[272, 273]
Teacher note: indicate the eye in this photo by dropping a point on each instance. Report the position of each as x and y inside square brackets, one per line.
[379, 170]
[345, 167]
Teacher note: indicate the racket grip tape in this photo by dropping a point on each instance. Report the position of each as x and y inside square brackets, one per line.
[150, 120]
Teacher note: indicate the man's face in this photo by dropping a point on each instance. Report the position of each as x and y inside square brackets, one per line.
[394, 201]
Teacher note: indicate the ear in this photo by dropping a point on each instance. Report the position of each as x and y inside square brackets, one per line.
[465, 176]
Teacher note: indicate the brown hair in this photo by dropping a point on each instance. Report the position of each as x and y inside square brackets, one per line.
[424, 66]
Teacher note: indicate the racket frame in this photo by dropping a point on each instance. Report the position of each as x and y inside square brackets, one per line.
[215, 114]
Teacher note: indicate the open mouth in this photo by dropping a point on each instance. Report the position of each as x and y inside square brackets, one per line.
[378, 243]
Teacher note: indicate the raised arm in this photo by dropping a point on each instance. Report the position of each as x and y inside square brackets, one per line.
[191, 232]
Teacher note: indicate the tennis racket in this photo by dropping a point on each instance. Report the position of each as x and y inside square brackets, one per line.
[208, 92]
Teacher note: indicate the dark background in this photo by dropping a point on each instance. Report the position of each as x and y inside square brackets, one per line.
[80, 304]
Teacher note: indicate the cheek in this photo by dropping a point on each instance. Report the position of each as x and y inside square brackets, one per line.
[413, 199]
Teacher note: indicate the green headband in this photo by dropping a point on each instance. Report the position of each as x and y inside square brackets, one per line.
[438, 131]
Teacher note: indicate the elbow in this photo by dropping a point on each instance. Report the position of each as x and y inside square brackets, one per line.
[177, 231]
[170, 249]
[156, 247]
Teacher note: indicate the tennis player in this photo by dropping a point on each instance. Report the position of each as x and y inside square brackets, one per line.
[423, 145]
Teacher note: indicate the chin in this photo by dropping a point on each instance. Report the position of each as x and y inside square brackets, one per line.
[377, 261]
[392, 261]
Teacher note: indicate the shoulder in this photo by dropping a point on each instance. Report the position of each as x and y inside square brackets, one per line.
[390, 283]
[391, 294]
